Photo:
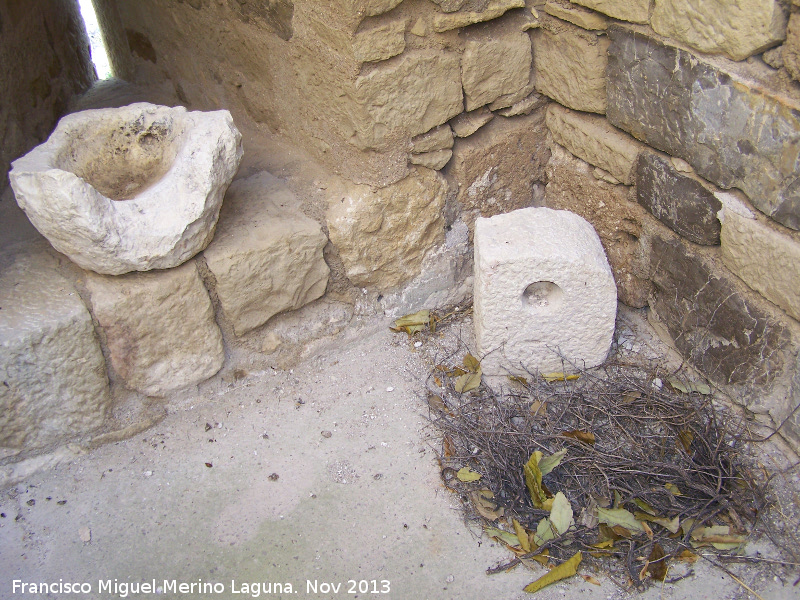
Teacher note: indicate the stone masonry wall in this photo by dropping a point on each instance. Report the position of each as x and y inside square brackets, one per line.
[44, 62]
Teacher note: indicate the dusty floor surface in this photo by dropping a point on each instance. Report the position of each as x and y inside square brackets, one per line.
[322, 474]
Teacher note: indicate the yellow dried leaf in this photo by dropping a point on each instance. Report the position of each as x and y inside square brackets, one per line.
[467, 475]
[533, 479]
[673, 489]
[482, 500]
[538, 408]
[647, 529]
[645, 506]
[468, 382]
[548, 504]
[671, 525]
[590, 579]
[517, 379]
[562, 571]
[437, 381]
[551, 377]
[587, 437]
[421, 317]
[687, 556]
[504, 536]
[471, 363]
[522, 536]
[548, 463]
[436, 403]
[629, 397]
[685, 438]
[619, 516]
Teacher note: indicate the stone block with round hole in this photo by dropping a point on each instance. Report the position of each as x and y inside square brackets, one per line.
[545, 299]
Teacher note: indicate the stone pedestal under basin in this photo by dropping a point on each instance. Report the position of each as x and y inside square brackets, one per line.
[130, 189]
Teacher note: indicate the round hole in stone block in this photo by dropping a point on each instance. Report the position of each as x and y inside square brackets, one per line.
[542, 295]
[122, 159]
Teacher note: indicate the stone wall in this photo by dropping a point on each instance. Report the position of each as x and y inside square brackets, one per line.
[44, 62]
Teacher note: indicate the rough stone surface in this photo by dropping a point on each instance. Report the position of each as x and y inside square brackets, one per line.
[432, 160]
[791, 49]
[493, 67]
[544, 296]
[594, 140]
[381, 42]
[266, 256]
[382, 235]
[613, 213]
[570, 65]
[440, 138]
[129, 189]
[577, 15]
[736, 29]
[714, 321]
[54, 383]
[679, 201]
[44, 63]
[496, 168]
[159, 328]
[418, 91]
[733, 133]
[765, 258]
[635, 11]
[525, 106]
[465, 124]
[456, 20]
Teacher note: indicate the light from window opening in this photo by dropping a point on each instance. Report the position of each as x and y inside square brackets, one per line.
[99, 55]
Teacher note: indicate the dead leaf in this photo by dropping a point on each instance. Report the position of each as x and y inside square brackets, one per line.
[551, 377]
[471, 363]
[448, 447]
[587, 437]
[619, 516]
[629, 397]
[504, 536]
[673, 489]
[688, 556]
[436, 403]
[437, 381]
[517, 379]
[522, 535]
[617, 499]
[538, 408]
[467, 475]
[457, 372]
[562, 571]
[685, 438]
[533, 479]
[689, 387]
[468, 382]
[413, 323]
[718, 536]
[488, 509]
[647, 529]
[590, 579]
[657, 566]
[548, 463]
[671, 525]
[645, 506]
[560, 520]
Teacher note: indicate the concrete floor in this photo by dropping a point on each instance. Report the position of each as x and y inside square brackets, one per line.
[242, 483]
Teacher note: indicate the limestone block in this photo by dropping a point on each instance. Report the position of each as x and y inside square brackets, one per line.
[414, 93]
[455, 20]
[635, 11]
[382, 235]
[594, 140]
[159, 328]
[736, 29]
[679, 201]
[465, 124]
[266, 256]
[733, 132]
[613, 213]
[544, 297]
[381, 42]
[496, 168]
[508, 100]
[791, 49]
[132, 188]
[715, 322]
[432, 160]
[525, 106]
[53, 378]
[577, 15]
[570, 65]
[439, 138]
[495, 66]
[764, 257]
[450, 5]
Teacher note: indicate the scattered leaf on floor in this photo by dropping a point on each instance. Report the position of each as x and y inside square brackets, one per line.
[619, 516]
[629, 397]
[590, 579]
[685, 438]
[645, 507]
[533, 479]
[548, 463]
[522, 536]
[671, 525]
[551, 377]
[471, 363]
[687, 556]
[448, 447]
[718, 536]
[561, 515]
[436, 403]
[505, 536]
[689, 387]
[413, 323]
[538, 408]
[486, 507]
[587, 437]
[657, 566]
[617, 499]
[562, 571]
[673, 489]
[468, 382]
[467, 475]
[517, 379]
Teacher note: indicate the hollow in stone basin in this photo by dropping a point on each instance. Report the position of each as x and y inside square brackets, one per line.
[171, 167]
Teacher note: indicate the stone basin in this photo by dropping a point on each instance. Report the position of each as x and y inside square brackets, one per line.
[129, 189]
